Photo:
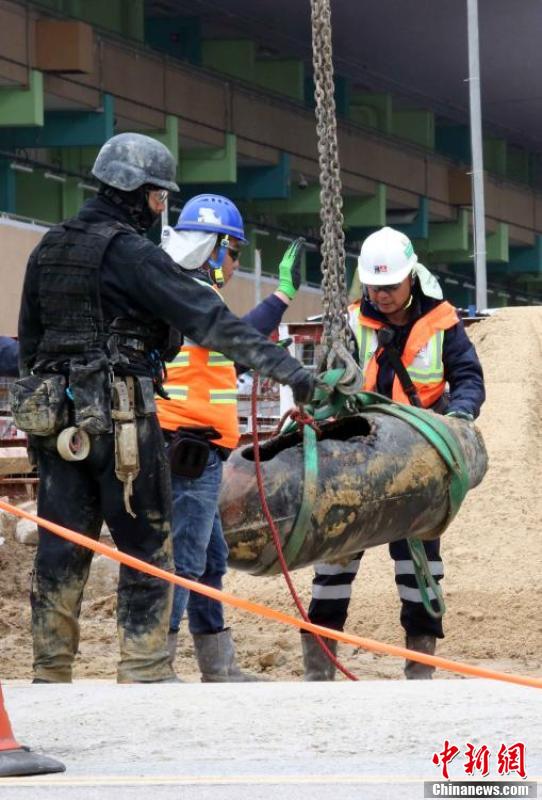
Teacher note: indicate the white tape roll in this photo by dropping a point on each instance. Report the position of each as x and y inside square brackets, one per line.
[73, 444]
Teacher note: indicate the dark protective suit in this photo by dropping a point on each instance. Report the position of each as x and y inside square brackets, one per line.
[140, 292]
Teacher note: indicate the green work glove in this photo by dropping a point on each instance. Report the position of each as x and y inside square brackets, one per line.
[290, 268]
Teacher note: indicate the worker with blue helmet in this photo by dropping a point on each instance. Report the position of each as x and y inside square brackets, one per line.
[213, 213]
[200, 424]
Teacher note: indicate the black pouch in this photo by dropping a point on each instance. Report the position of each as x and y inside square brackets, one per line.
[90, 390]
[145, 402]
[189, 450]
[38, 404]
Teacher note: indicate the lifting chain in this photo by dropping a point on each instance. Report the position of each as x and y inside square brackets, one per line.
[336, 339]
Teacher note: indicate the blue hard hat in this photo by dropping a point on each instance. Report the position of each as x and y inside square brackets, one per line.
[212, 213]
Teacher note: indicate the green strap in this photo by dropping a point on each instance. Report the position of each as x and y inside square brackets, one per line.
[310, 486]
[434, 430]
[437, 434]
[330, 403]
[325, 405]
[425, 579]
[430, 427]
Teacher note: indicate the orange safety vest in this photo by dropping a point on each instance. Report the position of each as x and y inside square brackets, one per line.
[422, 354]
[202, 386]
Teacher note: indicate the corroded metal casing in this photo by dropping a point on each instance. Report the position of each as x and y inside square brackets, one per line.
[379, 480]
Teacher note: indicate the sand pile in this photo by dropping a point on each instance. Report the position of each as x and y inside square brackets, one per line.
[492, 554]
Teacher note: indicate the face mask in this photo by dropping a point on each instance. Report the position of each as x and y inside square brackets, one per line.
[135, 205]
[189, 249]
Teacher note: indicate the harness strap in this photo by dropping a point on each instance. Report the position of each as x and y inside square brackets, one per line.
[385, 340]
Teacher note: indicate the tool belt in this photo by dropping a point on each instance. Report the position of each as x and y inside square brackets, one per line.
[94, 402]
[115, 403]
[189, 449]
[40, 402]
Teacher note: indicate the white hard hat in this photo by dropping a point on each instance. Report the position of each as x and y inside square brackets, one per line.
[387, 256]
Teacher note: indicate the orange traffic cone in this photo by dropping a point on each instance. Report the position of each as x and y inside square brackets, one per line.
[16, 759]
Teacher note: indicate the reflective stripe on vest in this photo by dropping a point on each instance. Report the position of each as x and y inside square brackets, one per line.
[199, 380]
[422, 354]
[223, 396]
[176, 391]
[181, 359]
[218, 360]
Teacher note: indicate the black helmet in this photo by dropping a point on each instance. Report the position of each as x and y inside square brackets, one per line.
[130, 160]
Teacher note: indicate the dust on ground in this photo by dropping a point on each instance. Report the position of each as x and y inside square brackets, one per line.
[492, 556]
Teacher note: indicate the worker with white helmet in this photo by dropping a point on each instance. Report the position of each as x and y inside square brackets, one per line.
[413, 348]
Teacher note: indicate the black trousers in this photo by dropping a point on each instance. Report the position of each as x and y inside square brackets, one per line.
[80, 496]
[332, 588]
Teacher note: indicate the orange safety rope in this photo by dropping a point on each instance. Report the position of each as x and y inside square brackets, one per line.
[270, 613]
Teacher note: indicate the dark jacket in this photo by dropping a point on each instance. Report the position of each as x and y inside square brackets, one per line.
[462, 368]
[267, 315]
[141, 282]
[9, 357]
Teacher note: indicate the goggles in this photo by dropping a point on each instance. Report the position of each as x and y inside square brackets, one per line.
[390, 287]
[159, 195]
[233, 252]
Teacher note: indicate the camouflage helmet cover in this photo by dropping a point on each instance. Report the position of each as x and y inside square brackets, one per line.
[129, 160]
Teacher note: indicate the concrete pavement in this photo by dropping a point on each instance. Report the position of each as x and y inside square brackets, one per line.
[372, 740]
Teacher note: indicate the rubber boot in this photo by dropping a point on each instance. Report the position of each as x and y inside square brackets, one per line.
[414, 670]
[172, 638]
[317, 665]
[216, 659]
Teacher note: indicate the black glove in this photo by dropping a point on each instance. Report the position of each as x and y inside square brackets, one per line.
[302, 384]
[460, 415]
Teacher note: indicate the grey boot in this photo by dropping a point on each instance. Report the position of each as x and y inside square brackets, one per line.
[414, 670]
[172, 645]
[317, 665]
[216, 659]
